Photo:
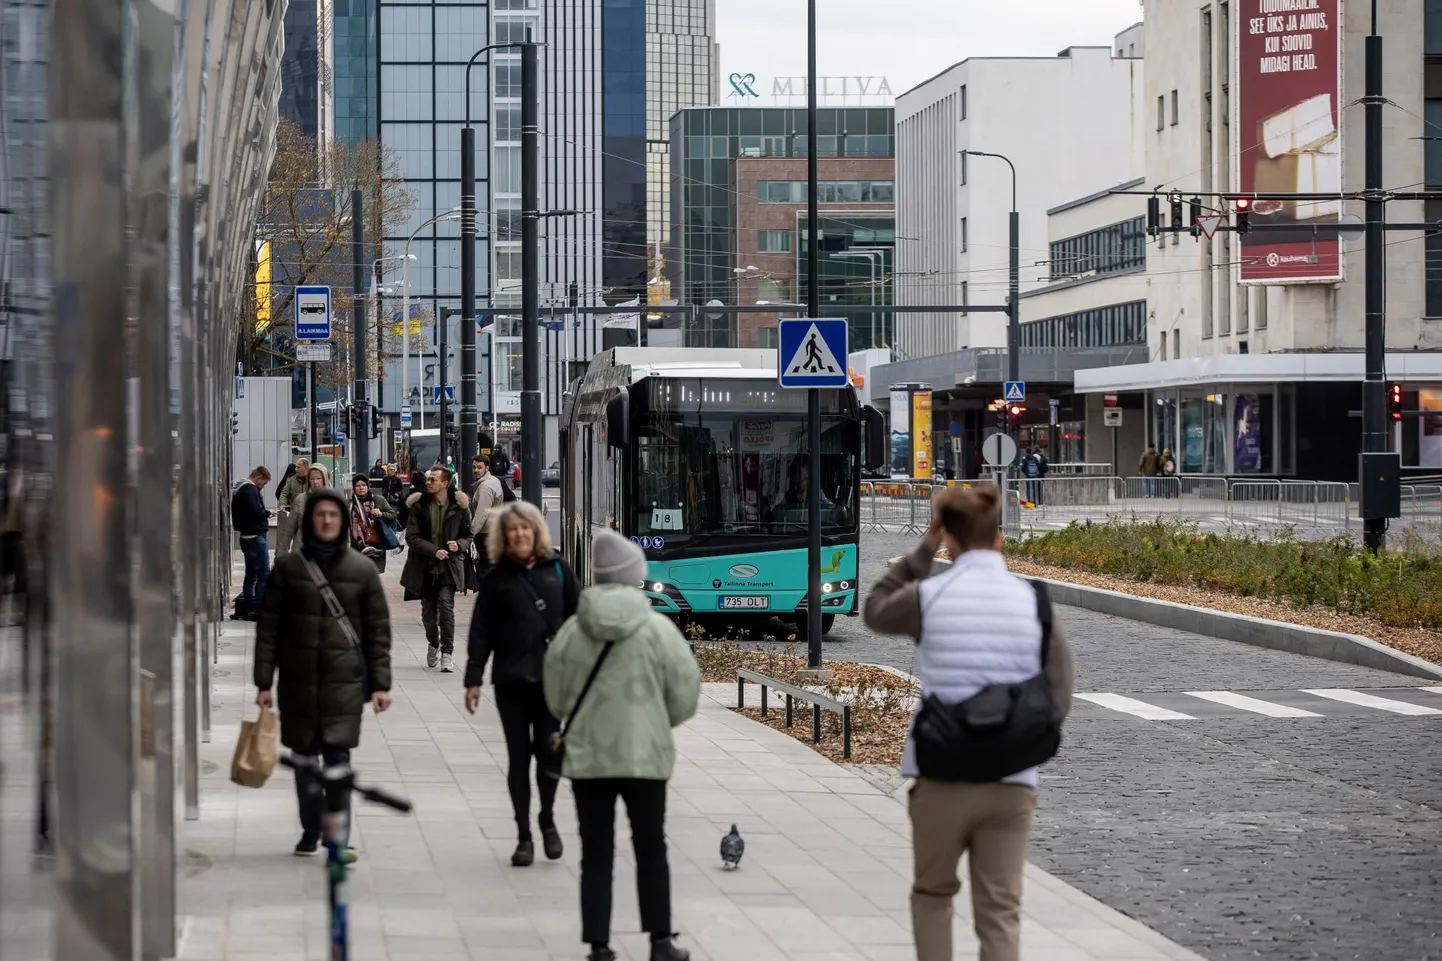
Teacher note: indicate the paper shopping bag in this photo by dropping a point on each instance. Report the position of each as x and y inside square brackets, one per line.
[255, 751]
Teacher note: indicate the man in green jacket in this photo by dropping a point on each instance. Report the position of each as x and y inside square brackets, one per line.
[620, 744]
[288, 523]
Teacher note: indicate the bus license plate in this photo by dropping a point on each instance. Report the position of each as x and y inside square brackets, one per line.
[745, 603]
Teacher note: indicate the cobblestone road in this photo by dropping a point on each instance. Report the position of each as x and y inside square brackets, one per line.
[1240, 837]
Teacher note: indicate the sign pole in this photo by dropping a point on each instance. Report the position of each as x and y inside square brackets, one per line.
[314, 434]
[813, 398]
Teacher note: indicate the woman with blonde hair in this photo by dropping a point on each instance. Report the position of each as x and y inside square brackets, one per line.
[522, 603]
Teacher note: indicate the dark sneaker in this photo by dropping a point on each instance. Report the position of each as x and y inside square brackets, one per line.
[525, 855]
[433, 654]
[601, 954]
[307, 847]
[666, 950]
[551, 843]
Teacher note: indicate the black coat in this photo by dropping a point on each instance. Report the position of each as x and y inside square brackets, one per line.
[424, 542]
[324, 680]
[506, 623]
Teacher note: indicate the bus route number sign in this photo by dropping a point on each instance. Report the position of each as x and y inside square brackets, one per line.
[666, 519]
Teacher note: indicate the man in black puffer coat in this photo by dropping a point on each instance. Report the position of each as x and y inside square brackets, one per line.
[326, 677]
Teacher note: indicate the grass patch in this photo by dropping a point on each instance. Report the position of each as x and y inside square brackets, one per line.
[1399, 588]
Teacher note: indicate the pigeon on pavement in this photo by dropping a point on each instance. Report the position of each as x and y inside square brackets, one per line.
[732, 847]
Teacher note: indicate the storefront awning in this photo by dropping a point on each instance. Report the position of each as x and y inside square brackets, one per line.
[987, 365]
[1410, 367]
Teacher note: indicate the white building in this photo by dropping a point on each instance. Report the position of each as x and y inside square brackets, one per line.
[1202, 319]
[1070, 126]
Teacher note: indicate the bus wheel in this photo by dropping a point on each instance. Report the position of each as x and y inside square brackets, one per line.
[827, 621]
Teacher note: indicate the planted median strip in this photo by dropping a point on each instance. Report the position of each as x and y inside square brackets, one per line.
[1394, 599]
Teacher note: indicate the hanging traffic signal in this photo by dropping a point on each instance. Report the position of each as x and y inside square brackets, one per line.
[235, 422]
[1196, 212]
[1242, 208]
[376, 423]
[1394, 401]
[1154, 216]
[1176, 214]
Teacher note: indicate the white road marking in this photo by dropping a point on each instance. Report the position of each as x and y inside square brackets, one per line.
[1433, 690]
[1253, 704]
[1373, 701]
[1142, 709]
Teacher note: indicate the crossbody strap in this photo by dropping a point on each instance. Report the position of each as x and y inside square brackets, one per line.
[332, 603]
[1043, 614]
[539, 603]
[585, 688]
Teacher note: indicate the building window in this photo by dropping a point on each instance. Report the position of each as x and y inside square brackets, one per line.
[963, 170]
[1161, 113]
[773, 241]
[1432, 147]
[827, 191]
[961, 102]
[1114, 326]
[966, 295]
[1175, 108]
[1433, 255]
[1117, 247]
[507, 125]
[963, 235]
[508, 80]
[1432, 26]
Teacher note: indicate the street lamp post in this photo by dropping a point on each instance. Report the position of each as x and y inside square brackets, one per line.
[873, 269]
[1013, 327]
[813, 396]
[453, 214]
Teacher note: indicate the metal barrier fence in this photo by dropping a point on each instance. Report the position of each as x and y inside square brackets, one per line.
[1052, 502]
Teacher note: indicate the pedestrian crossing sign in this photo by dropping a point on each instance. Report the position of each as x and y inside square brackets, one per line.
[812, 352]
[1015, 392]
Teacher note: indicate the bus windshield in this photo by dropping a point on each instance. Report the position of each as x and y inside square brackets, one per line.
[699, 475]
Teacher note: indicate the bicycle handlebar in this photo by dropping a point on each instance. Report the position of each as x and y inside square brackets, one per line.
[375, 795]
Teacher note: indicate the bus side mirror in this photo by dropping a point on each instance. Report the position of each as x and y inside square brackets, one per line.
[875, 444]
[618, 420]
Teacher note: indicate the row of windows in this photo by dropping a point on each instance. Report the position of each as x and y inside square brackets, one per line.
[781, 121]
[827, 191]
[790, 145]
[1115, 326]
[1120, 246]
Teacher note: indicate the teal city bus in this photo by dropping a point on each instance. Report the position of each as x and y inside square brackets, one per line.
[702, 460]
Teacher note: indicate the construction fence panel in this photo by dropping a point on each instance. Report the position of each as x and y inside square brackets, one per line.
[1254, 502]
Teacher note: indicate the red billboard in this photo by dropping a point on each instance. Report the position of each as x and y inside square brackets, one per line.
[1288, 137]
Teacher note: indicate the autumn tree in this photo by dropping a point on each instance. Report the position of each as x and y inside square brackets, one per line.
[304, 230]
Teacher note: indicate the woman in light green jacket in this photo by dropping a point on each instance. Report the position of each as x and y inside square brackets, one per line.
[620, 743]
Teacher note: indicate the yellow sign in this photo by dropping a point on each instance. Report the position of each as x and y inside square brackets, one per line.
[417, 327]
[921, 431]
[262, 286]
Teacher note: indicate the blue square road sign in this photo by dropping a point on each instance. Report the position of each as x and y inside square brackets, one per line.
[1014, 392]
[312, 313]
[812, 352]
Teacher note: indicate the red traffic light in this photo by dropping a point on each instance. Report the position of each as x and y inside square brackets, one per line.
[1394, 401]
[1242, 203]
[1015, 410]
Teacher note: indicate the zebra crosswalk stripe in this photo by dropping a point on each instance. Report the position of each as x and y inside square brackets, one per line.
[1130, 705]
[1373, 701]
[1254, 705]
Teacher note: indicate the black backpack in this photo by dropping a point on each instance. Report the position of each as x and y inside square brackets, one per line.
[999, 731]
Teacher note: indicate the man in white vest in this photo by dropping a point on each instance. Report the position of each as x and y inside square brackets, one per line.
[976, 625]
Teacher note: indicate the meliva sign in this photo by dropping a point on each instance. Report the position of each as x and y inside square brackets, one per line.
[743, 85]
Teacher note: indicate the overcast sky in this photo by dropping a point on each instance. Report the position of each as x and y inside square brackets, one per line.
[906, 41]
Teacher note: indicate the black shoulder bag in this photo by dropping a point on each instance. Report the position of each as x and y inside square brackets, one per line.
[1001, 730]
[556, 750]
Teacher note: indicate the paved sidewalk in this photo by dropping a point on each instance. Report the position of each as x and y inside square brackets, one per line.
[825, 874]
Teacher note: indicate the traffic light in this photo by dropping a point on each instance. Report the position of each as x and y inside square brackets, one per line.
[1394, 401]
[1154, 216]
[1001, 415]
[1196, 212]
[1242, 207]
[376, 424]
[235, 422]
[357, 419]
[1015, 411]
[1176, 214]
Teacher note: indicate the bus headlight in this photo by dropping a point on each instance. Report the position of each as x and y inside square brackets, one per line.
[827, 588]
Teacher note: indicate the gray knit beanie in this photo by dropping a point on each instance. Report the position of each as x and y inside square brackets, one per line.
[615, 560]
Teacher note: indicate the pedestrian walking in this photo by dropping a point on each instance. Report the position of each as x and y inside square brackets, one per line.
[288, 516]
[1148, 466]
[251, 520]
[325, 626]
[438, 533]
[521, 604]
[978, 628]
[486, 496]
[366, 512]
[625, 676]
[1169, 469]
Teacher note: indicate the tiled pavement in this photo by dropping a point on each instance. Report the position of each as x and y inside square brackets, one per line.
[825, 874]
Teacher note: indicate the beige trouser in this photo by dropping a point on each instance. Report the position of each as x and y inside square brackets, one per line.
[285, 531]
[988, 822]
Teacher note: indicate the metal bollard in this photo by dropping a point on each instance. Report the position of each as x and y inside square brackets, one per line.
[788, 710]
[763, 700]
[816, 724]
[740, 692]
[846, 732]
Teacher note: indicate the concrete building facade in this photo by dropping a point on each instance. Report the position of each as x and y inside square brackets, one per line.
[1081, 134]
